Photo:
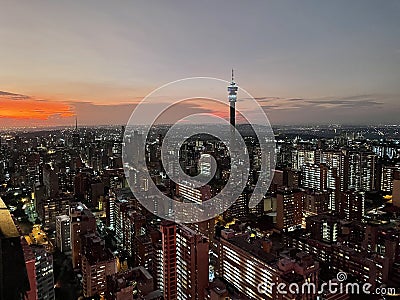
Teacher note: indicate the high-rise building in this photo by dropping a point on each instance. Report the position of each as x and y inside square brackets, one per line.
[205, 165]
[324, 227]
[193, 194]
[81, 185]
[368, 171]
[239, 208]
[53, 207]
[96, 193]
[169, 264]
[134, 225]
[289, 209]
[185, 261]
[63, 233]
[30, 262]
[387, 178]
[248, 262]
[144, 252]
[351, 205]
[302, 157]
[158, 267]
[291, 178]
[335, 160]
[192, 264]
[50, 180]
[396, 189]
[98, 262]
[82, 221]
[120, 210]
[318, 177]
[361, 170]
[317, 202]
[44, 272]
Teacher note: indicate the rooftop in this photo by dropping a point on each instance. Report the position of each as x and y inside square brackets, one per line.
[7, 225]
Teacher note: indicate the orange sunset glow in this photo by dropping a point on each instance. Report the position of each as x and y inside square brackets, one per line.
[34, 109]
[312, 69]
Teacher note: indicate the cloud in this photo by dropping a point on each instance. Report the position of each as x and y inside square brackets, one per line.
[13, 96]
[90, 113]
[355, 101]
[352, 101]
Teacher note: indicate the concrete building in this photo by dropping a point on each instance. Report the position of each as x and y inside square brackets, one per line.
[82, 221]
[351, 205]
[168, 263]
[44, 272]
[53, 207]
[97, 263]
[324, 227]
[248, 262]
[185, 261]
[63, 233]
[301, 157]
[31, 270]
[361, 170]
[50, 181]
[134, 283]
[318, 177]
[192, 194]
[317, 202]
[396, 189]
[192, 264]
[289, 209]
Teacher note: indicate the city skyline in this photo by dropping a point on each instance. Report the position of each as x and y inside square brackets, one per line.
[305, 63]
[175, 150]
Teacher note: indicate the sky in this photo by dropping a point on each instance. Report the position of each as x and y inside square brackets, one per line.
[305, 62]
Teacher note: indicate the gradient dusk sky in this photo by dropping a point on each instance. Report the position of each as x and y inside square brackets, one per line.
[305, 61]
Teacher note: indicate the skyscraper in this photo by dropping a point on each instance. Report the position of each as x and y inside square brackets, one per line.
[168, 231]
[185, 262]
[63, 233]
[44, 272]
[351, 205]
[82, 221]
[50, 180]
[192, 263]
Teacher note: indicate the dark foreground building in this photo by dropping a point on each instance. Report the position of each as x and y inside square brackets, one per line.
[14, 282]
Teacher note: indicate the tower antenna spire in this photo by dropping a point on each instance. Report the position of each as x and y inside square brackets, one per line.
[76, 123]
[233, 77]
